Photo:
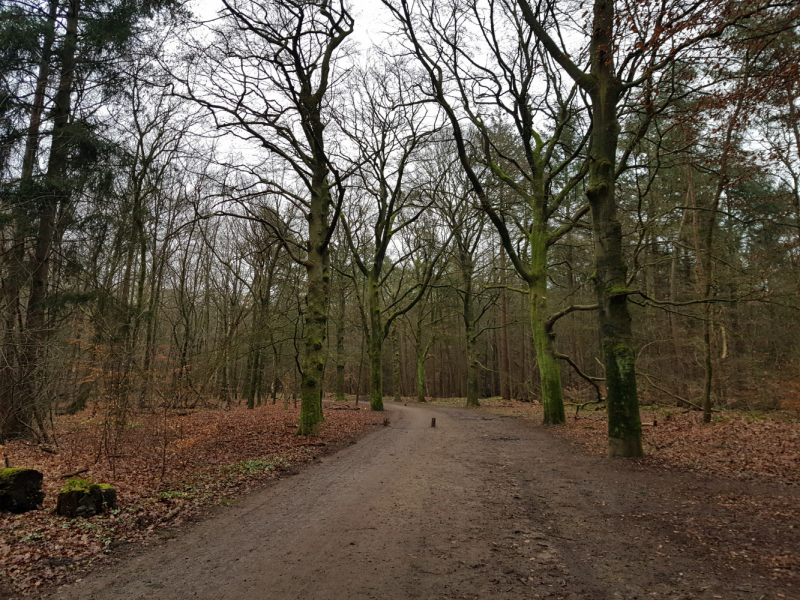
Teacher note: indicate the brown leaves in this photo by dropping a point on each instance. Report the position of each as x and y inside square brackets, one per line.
[165, 470]
[734, 444]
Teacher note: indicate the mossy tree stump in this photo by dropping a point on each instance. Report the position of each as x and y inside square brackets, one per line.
[20, 489]
[82, 498]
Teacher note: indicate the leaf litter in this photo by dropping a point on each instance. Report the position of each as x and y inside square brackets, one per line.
[167, 469]
[734, 444]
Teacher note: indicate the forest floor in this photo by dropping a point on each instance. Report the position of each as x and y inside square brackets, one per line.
[739, 444]
[168, 469]
[481, 506]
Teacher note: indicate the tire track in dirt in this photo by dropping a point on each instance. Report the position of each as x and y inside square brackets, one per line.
[481, 506]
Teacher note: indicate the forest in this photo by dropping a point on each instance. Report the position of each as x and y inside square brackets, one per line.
[571, 204]
[364, 298]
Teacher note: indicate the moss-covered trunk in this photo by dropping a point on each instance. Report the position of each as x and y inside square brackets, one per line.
[549, 371]
[624, 422]
[317, 297]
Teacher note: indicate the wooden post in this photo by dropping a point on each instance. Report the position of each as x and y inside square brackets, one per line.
[433, 422]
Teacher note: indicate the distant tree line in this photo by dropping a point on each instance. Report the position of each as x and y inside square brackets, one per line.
[502, 198]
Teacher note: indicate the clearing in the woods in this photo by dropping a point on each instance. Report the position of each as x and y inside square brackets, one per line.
[481, 506]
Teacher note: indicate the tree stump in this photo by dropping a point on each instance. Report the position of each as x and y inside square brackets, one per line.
[20, 490]
[81, 498]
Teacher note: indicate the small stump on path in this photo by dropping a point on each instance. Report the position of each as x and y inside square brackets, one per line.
[20, 489]
[82, 498]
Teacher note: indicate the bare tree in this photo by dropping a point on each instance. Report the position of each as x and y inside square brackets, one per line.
[625, 59]
[388, 126]
[267, 78]
[492, 72]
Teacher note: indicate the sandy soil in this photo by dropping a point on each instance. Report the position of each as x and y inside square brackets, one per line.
[482, 506]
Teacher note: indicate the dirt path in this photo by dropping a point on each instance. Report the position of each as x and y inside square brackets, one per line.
[482, 506]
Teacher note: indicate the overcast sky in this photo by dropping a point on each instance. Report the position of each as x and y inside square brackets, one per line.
[371, 17]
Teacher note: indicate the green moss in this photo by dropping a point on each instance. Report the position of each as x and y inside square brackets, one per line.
[100, 487]
[626, 362]
[10, 472]
[617, 290]
[597, 187]
[76, 484]
[8, 475]
[84, 485]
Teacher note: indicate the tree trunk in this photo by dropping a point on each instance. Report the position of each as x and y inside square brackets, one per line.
[673, 297]
[361, 366]
[505, 362]
[421, 355]
[340, 396]
[467, 297]
[18, 418]
[375, 347]
[396, 373]
[276, 380]
[156, 279]
[16, 276]
[624, 422]
[252, 375]
[610, 277]
[317, 299]
[420, 378]
[549, 370]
